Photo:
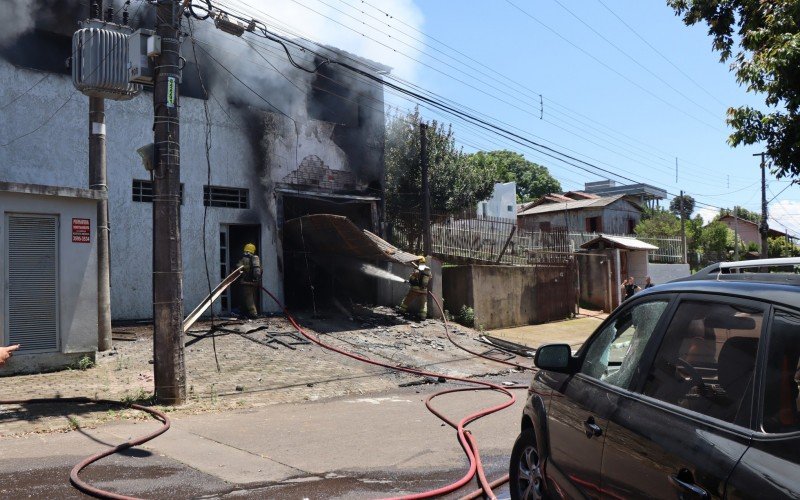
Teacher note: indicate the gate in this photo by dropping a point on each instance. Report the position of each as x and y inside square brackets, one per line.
[557, 290]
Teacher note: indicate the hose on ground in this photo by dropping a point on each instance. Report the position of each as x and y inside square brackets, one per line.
[464, 437]
[73, 475]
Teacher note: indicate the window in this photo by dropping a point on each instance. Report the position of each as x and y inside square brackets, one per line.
[510, 208]
[545, 227]
[782, 384]
[707, 360]
[217, 196]
[615, 353]
[143, 191]
[594, 224]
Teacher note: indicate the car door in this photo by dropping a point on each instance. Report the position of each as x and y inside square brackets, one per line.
[771, 466]
[581, 403]
[682, 433]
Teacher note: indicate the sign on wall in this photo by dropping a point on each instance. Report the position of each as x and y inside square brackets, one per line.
[81, 231]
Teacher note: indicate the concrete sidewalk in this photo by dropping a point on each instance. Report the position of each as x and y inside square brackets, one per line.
[384, 443]
[573, 332]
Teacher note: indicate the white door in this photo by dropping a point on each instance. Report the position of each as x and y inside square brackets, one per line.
[32, 283]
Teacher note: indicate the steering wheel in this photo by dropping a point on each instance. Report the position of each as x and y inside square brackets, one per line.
[684, 367]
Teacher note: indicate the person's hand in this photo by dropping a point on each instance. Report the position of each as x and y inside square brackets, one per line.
[5, 352]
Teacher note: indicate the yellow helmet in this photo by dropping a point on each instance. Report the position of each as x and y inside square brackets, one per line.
[421, 259]
[250, 248]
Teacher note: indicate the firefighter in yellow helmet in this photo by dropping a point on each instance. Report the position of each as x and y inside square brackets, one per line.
[415, 303]
[251, 279]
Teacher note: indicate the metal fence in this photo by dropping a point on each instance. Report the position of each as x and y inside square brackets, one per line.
[503, 241]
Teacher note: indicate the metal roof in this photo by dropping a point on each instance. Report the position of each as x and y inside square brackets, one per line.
[337, 235]
[624, 242]
[572, 205]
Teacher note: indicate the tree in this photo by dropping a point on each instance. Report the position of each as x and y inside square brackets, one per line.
[658, 223]
[779, 247]
[455, 184]
[764, 35]
[533, 180]
[688, 206]
[716, 238]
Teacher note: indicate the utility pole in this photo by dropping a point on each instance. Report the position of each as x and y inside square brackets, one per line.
[98, 181]
[683, 231]
[168, 361]
[426, 189]
[736, 232]
[763, 227]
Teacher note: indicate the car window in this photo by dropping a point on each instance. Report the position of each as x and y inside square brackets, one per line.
[615, 352]
[781, 388]
[707, 358]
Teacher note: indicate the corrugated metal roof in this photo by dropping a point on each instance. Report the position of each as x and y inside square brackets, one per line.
[337, 235]
[571, 205]
[624, 242]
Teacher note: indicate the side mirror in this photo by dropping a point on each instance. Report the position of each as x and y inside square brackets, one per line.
[554, 357]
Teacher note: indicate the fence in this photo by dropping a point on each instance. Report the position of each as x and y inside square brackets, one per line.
[466, 237]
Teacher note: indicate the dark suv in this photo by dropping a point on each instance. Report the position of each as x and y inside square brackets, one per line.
[688, 390]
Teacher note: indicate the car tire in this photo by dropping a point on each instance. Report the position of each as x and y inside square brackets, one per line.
[526, 478]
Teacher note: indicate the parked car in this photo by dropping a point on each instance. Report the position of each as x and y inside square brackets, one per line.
[688, 390]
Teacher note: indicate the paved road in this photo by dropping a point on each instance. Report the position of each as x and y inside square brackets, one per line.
[353, 447]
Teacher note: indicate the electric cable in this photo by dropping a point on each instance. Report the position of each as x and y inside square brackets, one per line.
[207, 143]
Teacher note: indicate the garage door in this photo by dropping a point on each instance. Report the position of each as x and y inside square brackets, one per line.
[32, 299]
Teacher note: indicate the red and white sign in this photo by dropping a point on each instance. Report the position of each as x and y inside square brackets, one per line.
[81, 230]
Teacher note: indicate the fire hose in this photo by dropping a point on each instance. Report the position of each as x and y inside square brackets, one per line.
[466, 439]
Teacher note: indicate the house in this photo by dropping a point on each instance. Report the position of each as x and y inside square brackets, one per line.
[577, 211]
[641, 194]
[502, 204]
[294, 145]
[748, 231]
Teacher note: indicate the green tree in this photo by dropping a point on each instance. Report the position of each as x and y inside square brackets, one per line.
[779, 247]
[533, 180]
[455, 183]
[716, 238]
[658, 223]
[765, 37]
[688, 206]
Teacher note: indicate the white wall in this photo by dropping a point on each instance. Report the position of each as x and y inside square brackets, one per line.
[637, 265]
[664, 273]
[77, 268]
[503, 197]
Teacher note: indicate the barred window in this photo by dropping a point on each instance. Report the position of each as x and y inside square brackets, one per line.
[227, 197]
[143, 191]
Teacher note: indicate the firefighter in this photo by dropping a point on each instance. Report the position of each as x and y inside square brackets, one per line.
[251, 279]
[415, 303]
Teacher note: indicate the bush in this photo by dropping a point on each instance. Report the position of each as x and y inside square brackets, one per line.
[466, 316]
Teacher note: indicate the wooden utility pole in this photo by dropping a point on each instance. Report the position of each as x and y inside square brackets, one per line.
[426, 189]
[736, 232]
[683, 231]
[763, 227]
[169, 368]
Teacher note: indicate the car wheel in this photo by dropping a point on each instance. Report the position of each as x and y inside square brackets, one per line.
[526, 480]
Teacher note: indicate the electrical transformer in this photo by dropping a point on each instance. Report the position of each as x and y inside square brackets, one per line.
[100, 61]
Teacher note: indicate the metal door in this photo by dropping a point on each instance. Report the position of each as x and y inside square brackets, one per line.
[32, 282]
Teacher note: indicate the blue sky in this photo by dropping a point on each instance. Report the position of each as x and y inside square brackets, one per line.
[631, 113]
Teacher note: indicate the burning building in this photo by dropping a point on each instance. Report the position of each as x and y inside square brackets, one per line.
[262, 142]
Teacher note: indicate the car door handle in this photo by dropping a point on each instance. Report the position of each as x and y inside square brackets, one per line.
[591, 428]
[683, 481]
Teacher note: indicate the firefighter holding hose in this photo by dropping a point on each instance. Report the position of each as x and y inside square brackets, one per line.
[251, 279]
[415, 303]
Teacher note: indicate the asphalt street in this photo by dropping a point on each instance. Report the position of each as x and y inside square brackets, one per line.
[382, 444]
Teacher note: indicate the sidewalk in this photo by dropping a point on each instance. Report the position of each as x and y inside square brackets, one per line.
[572, 331]
[251, 374]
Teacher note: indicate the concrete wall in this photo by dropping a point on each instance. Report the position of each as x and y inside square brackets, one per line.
[637, 265]
[501, 296]
[503, 197]
[245, 153]
[77, 279]
[664, 273]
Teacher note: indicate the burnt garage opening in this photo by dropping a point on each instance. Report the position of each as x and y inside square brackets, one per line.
[313, 275]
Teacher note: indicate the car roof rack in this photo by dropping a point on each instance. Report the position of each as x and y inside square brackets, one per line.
[751, 270]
